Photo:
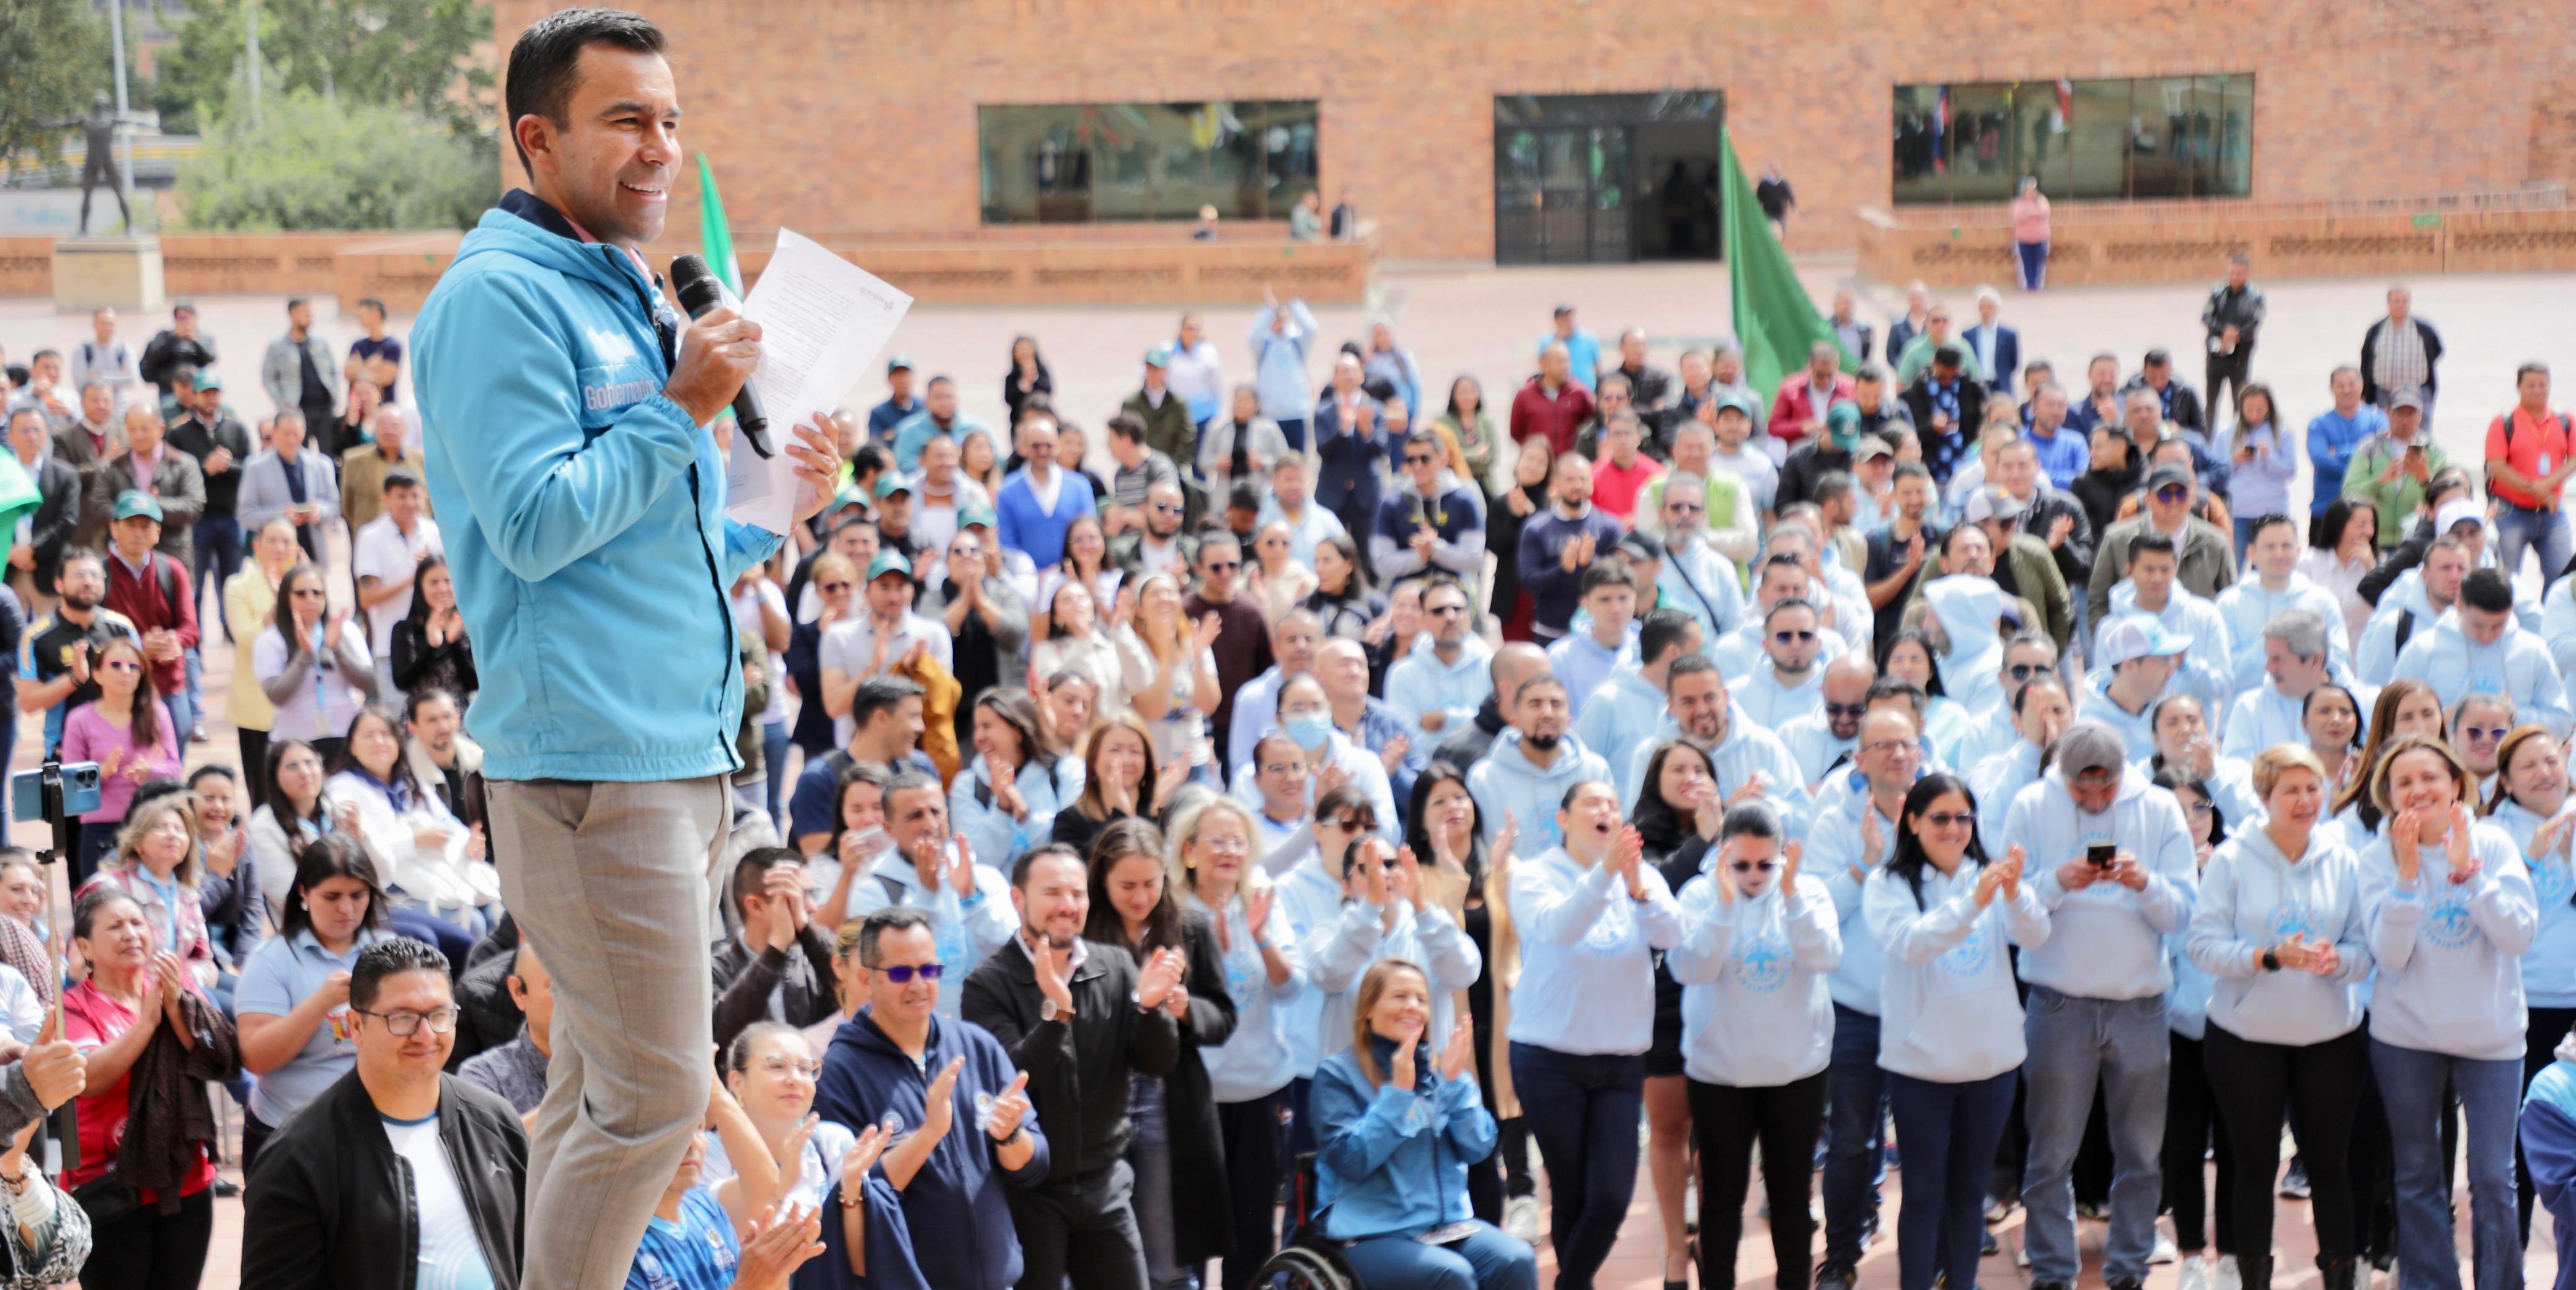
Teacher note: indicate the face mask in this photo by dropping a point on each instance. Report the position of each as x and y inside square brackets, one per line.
[1309, 730]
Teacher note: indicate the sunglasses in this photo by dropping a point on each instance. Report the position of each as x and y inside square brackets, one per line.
[1444, 611]
[122, 665]
[2484, 733]
[1754, 866]
[1948, 819]
[1886, 746]
[1223, 566]
[1412, 460]
[2202, 808]
[2173, 493]
[1846, 709]
[2025, 671]
[1793, 638]
[1349, 824]
[903, 973]
[1166, 508]
[302, 592]
[1686, 508]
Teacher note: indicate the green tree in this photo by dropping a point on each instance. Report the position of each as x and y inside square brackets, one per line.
[419, 54]
[53, 56]
[313, 163]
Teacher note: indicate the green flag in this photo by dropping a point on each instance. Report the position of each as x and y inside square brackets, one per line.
[18, 496]
[1774, 319]
[715, 237]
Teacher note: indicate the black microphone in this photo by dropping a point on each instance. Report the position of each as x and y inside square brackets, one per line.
[699, 291]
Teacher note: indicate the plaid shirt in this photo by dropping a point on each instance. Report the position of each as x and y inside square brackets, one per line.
[2400, 358]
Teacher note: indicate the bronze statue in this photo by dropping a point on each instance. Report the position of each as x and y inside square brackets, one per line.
[99, 166]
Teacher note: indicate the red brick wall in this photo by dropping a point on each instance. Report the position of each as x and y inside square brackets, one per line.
[858, 116]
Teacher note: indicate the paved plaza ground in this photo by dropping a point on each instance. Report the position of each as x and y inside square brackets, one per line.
[1484, 321]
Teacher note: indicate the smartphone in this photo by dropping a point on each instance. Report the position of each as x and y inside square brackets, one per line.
[2100, 854]
[80, 791]
[2414, 450]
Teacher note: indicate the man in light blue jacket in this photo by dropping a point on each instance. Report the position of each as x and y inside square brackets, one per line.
[2097, 991]
[1279, 340]
[565, 402]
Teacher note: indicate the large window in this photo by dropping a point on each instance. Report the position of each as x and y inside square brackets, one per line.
[2153, 136]
[1083, 162]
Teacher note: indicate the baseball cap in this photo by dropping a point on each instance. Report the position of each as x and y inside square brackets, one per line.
[1871, 446]
[1994, 504]
[133, 502]
[2138, 636]
[209, 379]
[2167, 473]
[975, 515]
[889, 562]
[2089, 746]
[1742, 402]
[890, 483]
[898, 363]
[1158, 357]
[1643, 545]
[2409, 397]
[2458, 510]
[1843, 416]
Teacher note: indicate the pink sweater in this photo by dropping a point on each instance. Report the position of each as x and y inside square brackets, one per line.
[88, 737]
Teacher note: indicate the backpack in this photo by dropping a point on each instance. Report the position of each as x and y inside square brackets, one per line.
[2566, 434]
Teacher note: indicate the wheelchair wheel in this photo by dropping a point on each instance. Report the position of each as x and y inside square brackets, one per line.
[1306, 1267]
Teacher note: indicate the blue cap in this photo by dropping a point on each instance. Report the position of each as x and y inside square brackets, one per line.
[889, 562]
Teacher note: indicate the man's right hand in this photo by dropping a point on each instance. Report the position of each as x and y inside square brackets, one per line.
[717, 354]
[1053, 974]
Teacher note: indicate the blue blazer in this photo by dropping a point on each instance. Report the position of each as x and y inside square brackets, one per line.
[2007, 353]
[1347, 481]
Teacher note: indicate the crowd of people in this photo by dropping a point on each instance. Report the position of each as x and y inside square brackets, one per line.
[1332, 776]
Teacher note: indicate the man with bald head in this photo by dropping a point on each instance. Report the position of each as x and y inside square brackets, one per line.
[1293, 640]
[1824, 738]
[1341, 664]
[1514, 663]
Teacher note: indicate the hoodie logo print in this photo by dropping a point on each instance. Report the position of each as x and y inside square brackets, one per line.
[1762, 961]
[1612, 931]
[2447, 924]
[2552, 881]
[2289, 918]
[1969, 957]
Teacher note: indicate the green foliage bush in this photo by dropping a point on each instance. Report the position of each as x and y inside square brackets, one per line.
[316, 163]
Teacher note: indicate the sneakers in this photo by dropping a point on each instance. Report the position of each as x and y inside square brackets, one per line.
[2164, 1252]
[1998, 1208]
[2021, 1259]
[1987, 1246]
[197, 734]
[2226, 1275]
[1520, 1218]
[1834, 1276]
[2195, 1275]
[2294, 1184]
[2123, 1283]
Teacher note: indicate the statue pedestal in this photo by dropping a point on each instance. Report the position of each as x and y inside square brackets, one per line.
[107, 272]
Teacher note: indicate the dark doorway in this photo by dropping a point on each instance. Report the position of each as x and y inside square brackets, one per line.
[1606, 178]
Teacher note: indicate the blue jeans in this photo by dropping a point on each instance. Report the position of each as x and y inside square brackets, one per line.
[1486, 1259]
[773, 752]
[2074, 1043]
[1950, 1133]
[218, 540]
[2518, 529]
[183, 717]
[1583, 1110]
[1855, 1102]
[196, 689]
[2034, 264]
[2410, 1086]
[1293, 429]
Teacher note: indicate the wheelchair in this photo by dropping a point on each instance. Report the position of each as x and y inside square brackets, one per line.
[1308, 1261]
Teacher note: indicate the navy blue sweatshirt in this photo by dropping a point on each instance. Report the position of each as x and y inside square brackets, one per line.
[958, 1193]
[1555, 590]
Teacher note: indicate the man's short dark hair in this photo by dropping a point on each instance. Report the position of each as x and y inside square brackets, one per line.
[751, 873]
[1661, 630]
[880, 693]
[2159, 357]
[419, 698]
[1913, 470]
[1052, 851]
[546, 62]
[2488, 590]
[2147, 540]
[2040, 680]
[364, 302]
[1424, 439]
[892, 918]
[1126, 426]
[2271, 518]
[1243, 497]
[1528, 683]
[293, 303]
[400, 477]
[870, 459]
[1443, 582]
[1690, 665]
[1901, 688]
[1212, 539]
[391, 957]
[1607, 573]
[1832, 483]
[1784, 604]
[910, 780]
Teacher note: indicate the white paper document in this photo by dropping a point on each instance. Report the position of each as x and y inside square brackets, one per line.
[822, 321]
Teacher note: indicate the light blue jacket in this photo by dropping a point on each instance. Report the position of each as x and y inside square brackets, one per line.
[2205, 670]
[1507, 780]
[583, 512]
[2247, 608]
[1624, 712]
[2549, 966]
[1587, 984]
[1952, 1015]
[2450, 954]
[915, 432]
[1834, 849]
[1341, 951]
[1279, 364]
[996, 835]
[1745, 751]
[1755, 1010]
[1256, 1060]
[966, 930]
[2516, 666]
[2108, 941]
[1393, 1161]
[1420, 683]
[2253, 898]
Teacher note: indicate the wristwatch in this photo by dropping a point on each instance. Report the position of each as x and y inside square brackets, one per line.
[1048, 1011]
[2271, 961]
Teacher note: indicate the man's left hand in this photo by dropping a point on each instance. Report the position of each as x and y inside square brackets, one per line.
[818, 464]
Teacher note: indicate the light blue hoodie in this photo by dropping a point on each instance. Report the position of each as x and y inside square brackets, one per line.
[997, 836]
[1997, 781]
[1624, 713]
[1420, 683]
[1279, 363]
[1429, 939]
[2205, 670]
[1587, 984]
[2107, 941]
[1834, 849]
[2515, 665]
[2450, 954]
[1743, 752]
[1507, 780]
[2247, 608]
[583, 512]
[1772, 703]
[1310, 897]
[1952, 1015]
[2252, 898]
[2549, 966]
[1755, 1010]
[1812, 743]
[967, 930]
[1257, 1060]
[1583, 663]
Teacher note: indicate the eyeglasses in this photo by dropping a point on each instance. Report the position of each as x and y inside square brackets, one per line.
[783, 1067]
[1886, 747]
[1754, 866]
[1444, 611]
[835, 588]
[1225, 846]
[1348, 824]
[2173, 493]
[1846, 709]
[2025, 671]
[1412, 460]
[1283, 768]
[1793, 638]
[122, 665]
[903, 973]
[403, 1025]
[1947, 819]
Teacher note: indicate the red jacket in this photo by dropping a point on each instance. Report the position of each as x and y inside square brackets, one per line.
[1796, 405]
[140, 600]
[1535, 414]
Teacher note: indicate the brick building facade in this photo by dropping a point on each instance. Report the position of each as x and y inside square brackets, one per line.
[860, 117]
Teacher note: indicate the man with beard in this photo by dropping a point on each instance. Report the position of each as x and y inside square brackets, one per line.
[1627, 707]
[1079, 1017]
[1159, 546]
[1747, 760]
[1534, 762]
[62, 645]
[1439, 690]
[1825, 737]
[1431, 520]
[1786, 684]
[1558, 546]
